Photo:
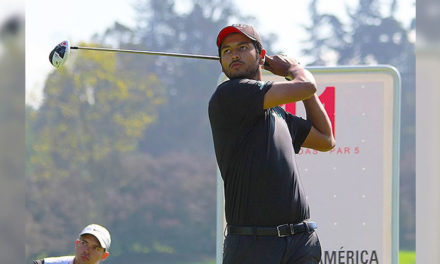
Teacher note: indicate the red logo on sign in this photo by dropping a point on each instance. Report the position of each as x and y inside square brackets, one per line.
[327, 98]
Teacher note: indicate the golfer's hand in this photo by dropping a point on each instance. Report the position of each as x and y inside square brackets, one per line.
[282, 66]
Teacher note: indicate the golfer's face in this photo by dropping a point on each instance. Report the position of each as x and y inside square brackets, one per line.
[88, 250]
[238, 57]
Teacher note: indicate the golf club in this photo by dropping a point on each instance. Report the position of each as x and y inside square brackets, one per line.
[60, 53]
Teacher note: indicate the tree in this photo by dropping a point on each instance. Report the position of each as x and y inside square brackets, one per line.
[94, 111]
[189, 83]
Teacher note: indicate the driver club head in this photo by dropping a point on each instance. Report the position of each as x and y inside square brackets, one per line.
[59, 54]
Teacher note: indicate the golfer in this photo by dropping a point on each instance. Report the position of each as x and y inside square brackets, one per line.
[255, 142]
[91, 248]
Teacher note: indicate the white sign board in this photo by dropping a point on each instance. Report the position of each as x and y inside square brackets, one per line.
[352, 190]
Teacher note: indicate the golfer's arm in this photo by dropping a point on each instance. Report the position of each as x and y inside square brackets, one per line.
[303, 86]
[320, 136]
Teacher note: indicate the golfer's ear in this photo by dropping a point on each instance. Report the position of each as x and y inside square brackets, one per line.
[105, 255]
[262, 56]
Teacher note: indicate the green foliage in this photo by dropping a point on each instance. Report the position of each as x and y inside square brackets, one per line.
[407, 257]
[94, 111]
[167, 201]
[189, 83]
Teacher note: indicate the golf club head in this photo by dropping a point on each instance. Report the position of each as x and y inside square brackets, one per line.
[59, 54]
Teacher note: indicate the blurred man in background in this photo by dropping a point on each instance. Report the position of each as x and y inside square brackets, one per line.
[91, 248]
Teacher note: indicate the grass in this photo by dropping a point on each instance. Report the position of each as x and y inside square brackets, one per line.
[207, 262]
[407, 257]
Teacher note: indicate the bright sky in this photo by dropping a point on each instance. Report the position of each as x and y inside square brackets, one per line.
[9, 7]
[48, 22]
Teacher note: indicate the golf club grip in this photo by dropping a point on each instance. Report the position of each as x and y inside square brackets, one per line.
[193, 56]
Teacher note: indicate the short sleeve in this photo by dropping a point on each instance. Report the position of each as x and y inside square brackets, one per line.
[299, 130]
[240, 99]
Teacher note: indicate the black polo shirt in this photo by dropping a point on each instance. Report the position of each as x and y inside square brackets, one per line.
[255, 150]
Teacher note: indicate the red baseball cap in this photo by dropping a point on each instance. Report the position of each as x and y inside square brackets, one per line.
[246, 30]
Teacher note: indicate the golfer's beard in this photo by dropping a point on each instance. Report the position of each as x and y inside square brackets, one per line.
[249, 73]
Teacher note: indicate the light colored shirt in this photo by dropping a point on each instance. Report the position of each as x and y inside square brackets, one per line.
[59, 260]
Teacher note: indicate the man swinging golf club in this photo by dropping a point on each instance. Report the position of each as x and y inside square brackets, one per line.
[255, 141]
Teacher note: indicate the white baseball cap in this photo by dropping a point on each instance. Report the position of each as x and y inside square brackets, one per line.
[100, 232]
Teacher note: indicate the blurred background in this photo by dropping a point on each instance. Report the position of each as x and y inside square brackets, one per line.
[12, 120]
[124, 140]
[428, 131]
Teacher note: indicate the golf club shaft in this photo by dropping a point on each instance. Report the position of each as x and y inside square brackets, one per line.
[193, 56]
